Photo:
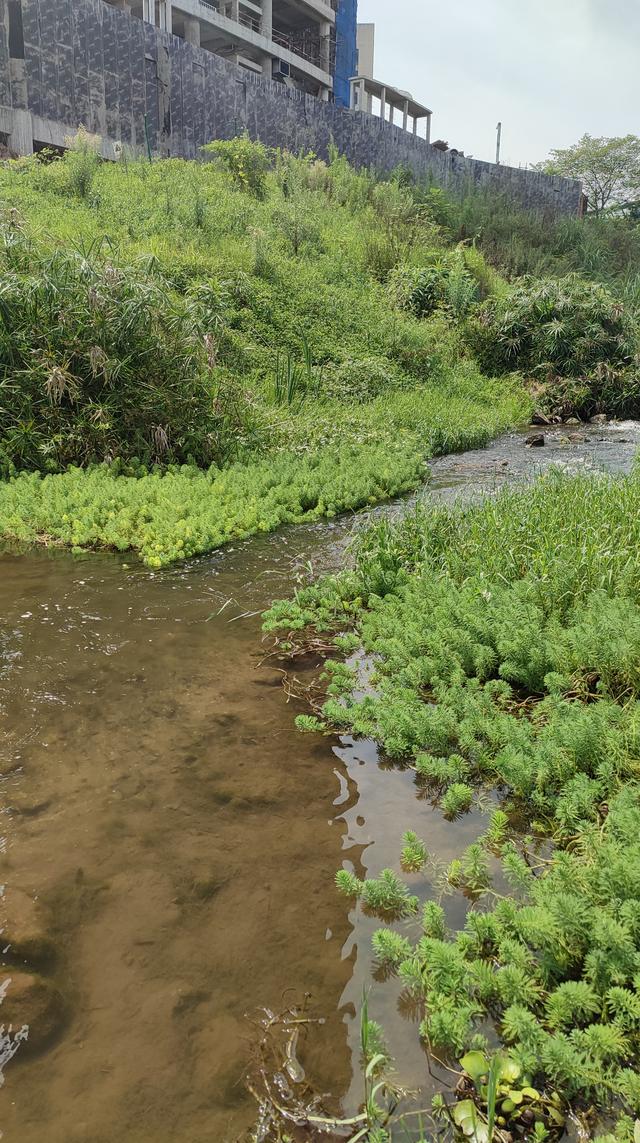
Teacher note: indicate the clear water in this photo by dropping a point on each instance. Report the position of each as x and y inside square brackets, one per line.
[182, 837]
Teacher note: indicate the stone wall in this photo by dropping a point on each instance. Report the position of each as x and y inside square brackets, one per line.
[86, 62]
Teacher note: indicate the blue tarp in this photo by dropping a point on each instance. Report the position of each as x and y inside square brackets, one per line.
[346, 55]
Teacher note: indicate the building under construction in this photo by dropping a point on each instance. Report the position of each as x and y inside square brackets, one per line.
[306, 44]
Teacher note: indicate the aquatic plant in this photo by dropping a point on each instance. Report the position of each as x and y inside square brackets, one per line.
[506, 636]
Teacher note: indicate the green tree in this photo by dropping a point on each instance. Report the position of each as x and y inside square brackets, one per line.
[609, 169]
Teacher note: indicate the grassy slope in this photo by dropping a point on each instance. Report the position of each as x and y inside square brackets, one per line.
[303, 267]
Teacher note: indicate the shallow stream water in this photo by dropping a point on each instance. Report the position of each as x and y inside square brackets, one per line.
[181, 837]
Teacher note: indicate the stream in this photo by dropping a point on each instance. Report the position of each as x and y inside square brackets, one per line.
[180, 838]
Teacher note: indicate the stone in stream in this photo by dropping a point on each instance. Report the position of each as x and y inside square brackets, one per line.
[535, 440]
[573, 421]
[599, 419]
[23, 931]
[30, 1002]
[539, 418]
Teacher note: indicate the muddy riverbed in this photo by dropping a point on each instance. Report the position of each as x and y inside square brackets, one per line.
[180, 838]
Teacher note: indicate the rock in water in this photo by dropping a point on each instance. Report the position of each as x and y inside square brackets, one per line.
[535, 440]
[539, 418]
[573, 421]
[22, 929]
[599, 419]
[31, 1002]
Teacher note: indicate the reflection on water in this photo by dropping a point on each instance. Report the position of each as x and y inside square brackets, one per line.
[175, 839]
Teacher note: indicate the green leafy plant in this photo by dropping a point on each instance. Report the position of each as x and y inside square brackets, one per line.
[385, 894]
[573, 337]
[414, 854]
[503, 1099]
[247, 162]
[506, 636]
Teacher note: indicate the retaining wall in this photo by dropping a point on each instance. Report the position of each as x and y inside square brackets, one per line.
[86, 62]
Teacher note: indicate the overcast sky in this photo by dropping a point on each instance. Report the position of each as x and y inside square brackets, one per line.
[551, 70]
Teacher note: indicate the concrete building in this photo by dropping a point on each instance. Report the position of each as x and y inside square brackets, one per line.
[291, 41]
[377, 98]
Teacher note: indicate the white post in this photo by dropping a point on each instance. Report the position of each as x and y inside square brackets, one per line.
[383, 103]
[415, 124]
[405, 115]
[149, 11]
[165, 15]
[429, 127]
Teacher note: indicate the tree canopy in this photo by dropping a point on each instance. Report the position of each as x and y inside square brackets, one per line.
[609, 169]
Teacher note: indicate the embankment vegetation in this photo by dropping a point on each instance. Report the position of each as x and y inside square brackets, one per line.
[192, 352]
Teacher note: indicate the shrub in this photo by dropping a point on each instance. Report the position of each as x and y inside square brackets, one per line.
[246, 161]
[445, 285]
[422, 290]
[573, 337]
[104, 360]
[81, 162]
[296, 222]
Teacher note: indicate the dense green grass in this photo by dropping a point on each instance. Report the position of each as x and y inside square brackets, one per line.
[604, 249]
[164, 316]
[506, 639]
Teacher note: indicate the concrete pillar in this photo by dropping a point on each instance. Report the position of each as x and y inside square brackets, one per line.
[266, 23]
[192, 30]
[429, 127]
[21, 137]
[415, 124]
[405, 115]
[267, 67]
[362, 97]
[165, 15]
[234, 13]
[370, 103]
[19, 89]
[149, 11]
[325, 45]
[383, 103]
[391, 111]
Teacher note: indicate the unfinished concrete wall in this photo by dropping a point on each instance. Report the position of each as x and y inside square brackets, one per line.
[86, 62]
